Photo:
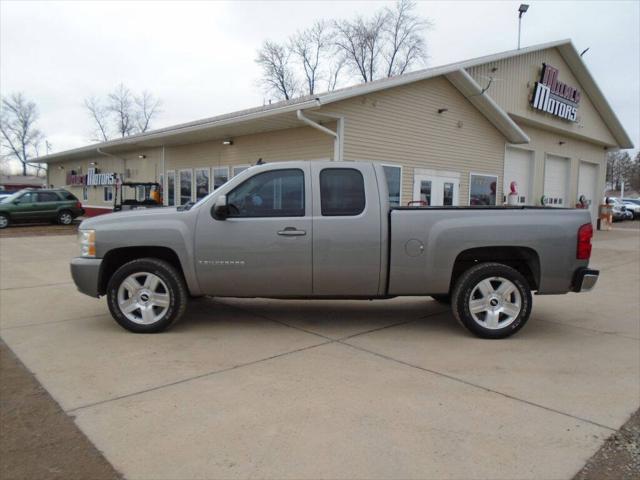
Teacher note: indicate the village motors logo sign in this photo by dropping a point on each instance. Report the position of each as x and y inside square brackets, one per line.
[93, 178]
[554, 97]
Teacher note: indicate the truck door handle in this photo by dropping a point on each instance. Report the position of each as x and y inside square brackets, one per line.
[291, 232]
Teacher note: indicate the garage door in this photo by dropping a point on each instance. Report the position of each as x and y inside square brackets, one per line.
[518, 167]
[588, 184]
[556, 181]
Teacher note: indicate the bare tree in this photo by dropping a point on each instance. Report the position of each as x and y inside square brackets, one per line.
[100, 116]
[148, 107]
[121, 105]
[122, 113]
[20, 136]
[405, 38]
[334, 72]
[278, 76]
[310, 47]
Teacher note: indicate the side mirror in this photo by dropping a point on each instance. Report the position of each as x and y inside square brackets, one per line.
[220, 210]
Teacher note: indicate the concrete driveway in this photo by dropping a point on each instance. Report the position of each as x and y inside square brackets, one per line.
[333, 389]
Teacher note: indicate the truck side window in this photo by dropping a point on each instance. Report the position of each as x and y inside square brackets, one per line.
[277, 193]
[341, 192]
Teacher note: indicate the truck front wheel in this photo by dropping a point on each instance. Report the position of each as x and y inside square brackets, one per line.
[492, 300]
[146, 295]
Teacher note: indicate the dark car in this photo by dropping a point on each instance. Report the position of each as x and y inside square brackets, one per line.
[41, 205]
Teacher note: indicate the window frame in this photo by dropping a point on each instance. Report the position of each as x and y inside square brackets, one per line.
[304, 195]
[179, 183]
[394, 165]
[364, 192]
[105, 189]
[170, 202]
[476, 174]
[195, 182]
[213, 176]
[245, 167]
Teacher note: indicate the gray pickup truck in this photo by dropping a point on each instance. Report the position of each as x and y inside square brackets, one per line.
[324, 230]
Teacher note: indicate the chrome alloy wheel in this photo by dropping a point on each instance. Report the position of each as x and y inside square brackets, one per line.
[65, 218]
[495, 303]
[4, 221]
[143, 298]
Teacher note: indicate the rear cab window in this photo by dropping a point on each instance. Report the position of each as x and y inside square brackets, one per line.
[341, 192]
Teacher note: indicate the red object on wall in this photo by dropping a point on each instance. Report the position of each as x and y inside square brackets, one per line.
[94, 211]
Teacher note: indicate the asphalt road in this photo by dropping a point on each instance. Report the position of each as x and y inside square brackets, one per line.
[339, 389]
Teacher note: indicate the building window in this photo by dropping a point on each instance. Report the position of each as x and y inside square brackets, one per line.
[108, 194]
[85, 194]
[186, 180]
[341, 192]
[140, 193]
[394, 183]
[220, 176]
[425, 192]
[278, 193]
[482, 189]
[202, 183]
[239, 168]
[447, 195]
[171, 188]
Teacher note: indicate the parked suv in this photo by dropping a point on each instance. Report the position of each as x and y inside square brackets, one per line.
[30, 205]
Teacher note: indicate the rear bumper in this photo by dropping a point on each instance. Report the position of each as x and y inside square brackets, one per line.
[584, 279]
[86, 274]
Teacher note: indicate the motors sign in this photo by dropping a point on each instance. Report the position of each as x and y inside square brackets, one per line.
[554, 97]
[99, 179]
[92, 178]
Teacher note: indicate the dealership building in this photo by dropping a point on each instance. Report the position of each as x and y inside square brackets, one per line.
[527, 127]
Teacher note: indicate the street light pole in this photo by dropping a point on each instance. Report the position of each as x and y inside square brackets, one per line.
[523, 8]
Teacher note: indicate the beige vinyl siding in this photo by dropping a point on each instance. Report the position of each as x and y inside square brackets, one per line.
[544, 142]
[402, 126]
[514, 83]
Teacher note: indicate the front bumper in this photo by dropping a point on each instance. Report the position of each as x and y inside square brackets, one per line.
[86, 274]
[584, 279]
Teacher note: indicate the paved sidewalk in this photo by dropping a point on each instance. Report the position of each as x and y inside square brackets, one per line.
[340, 389]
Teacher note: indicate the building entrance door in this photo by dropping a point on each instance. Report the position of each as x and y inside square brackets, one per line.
[436, 189]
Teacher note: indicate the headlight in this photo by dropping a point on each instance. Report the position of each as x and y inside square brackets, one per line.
[87, 240]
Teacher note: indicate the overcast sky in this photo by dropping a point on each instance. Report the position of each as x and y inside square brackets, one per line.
[199, 57]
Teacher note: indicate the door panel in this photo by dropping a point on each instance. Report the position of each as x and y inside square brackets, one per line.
[346, 244]
[518, 167]
[48, 203]
[556, 181]
[587, 185]
[27, 208]
[260, 253]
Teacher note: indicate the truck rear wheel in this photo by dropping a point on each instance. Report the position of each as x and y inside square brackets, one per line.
[146, 295]
[492, 300]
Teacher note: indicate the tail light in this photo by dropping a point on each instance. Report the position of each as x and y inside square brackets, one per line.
[585, 233]
[78, 204]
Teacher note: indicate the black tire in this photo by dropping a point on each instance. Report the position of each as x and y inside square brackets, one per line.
[444, 299]
[175, 286]
[65, 217]
[465, 287]
[5, 221]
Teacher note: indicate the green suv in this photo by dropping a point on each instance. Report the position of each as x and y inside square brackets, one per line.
[44, 205]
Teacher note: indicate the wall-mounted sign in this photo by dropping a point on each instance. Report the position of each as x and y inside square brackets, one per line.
[93, 178]
[554, 97]
[74, 179]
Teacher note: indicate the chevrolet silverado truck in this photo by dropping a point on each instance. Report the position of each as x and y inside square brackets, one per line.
[325, 230]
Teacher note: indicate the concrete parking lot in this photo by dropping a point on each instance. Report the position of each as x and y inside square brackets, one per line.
[334, 389]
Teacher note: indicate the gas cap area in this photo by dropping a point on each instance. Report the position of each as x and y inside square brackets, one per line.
[414, 247]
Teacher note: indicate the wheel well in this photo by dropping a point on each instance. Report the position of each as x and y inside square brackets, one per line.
[524, 260]
[117, 257]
